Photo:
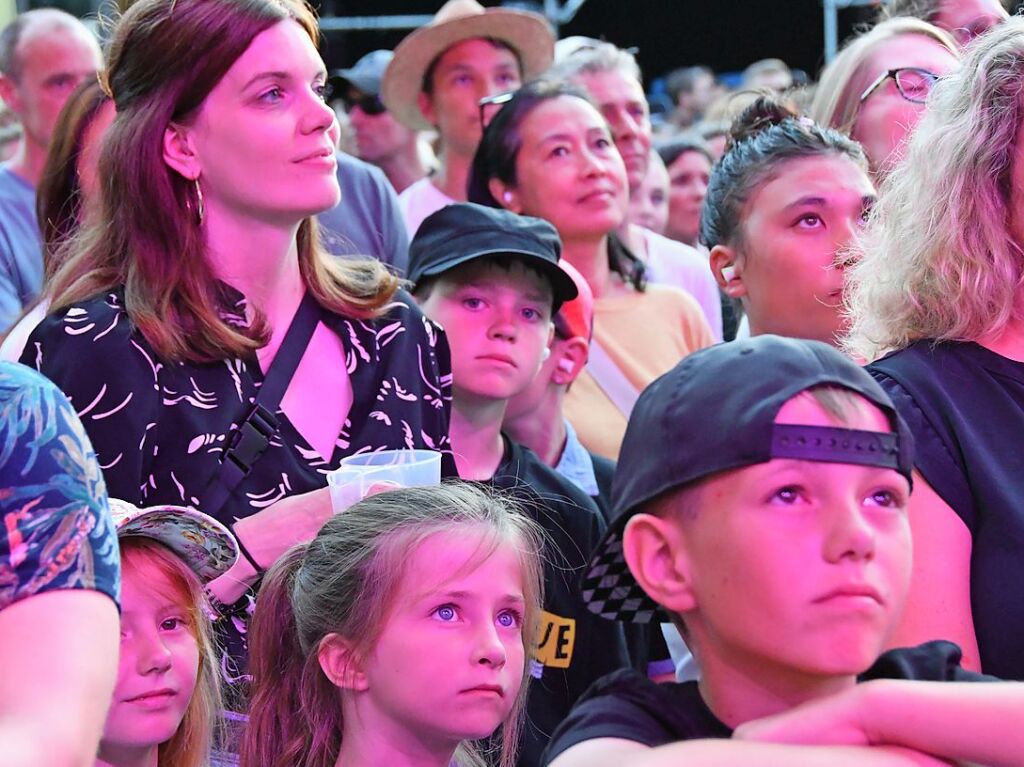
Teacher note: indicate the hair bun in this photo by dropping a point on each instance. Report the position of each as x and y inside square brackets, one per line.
[765, 112]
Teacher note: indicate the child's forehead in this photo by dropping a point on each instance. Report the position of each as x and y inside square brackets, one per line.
[445, 562]
[506, 271]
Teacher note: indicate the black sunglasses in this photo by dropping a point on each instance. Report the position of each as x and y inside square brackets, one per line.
[371, 105]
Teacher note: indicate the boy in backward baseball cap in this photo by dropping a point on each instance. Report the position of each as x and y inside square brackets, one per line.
[760, 503]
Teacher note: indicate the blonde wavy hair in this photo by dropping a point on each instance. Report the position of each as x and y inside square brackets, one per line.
[837, 98]
[938, 259]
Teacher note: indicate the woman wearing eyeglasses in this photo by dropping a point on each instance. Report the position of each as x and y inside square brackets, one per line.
[938, 288]
[875, 89]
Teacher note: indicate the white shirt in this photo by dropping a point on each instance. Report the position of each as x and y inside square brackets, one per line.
[420, 200]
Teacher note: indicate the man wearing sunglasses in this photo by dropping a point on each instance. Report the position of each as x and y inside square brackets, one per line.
[440, 73]
[380, 139]
[367, 221]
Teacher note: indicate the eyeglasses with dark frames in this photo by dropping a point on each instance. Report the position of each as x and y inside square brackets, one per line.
[913, 83]
[491, 105]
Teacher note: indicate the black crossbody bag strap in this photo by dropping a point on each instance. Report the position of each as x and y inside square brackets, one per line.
[247, 443]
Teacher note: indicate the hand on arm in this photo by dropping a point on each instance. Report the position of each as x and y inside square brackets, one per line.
[268, 534]
[961, 722]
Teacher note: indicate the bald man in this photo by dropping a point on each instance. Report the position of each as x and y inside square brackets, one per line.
[44, 55]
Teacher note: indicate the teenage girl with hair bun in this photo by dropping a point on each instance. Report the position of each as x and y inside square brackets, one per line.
[782, 205]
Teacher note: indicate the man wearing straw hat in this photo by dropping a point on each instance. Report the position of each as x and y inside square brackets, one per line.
[440, 73]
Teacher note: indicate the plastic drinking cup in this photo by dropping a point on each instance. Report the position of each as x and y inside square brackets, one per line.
[360, 474]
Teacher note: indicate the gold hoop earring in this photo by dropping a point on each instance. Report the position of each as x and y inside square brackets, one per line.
[200, 204]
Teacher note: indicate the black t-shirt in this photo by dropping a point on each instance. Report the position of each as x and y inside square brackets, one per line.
[576, 647]
[965, 407]
[604, 472]
[628, 706]
[647, 649]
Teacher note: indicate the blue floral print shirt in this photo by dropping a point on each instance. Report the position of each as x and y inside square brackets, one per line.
[56, 530]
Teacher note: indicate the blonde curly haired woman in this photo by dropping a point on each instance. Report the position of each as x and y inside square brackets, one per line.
[939, 290]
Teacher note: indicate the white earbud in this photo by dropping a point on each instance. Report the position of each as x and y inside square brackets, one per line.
[728, 273]
[545, 354]
[565, 365]
[506, 196]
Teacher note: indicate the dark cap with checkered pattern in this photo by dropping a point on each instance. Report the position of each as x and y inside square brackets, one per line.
[715, 411]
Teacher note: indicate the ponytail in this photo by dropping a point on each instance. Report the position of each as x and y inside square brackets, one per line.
[343, 583]
[287, 685]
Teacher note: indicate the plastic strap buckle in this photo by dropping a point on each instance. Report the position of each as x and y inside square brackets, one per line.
[251, 439]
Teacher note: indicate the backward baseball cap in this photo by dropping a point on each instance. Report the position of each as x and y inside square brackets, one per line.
[715, 411]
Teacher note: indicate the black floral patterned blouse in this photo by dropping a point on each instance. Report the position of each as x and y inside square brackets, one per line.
[159, 427]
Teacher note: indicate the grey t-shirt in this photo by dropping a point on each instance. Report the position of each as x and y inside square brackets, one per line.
[21, 248]
[367, 221]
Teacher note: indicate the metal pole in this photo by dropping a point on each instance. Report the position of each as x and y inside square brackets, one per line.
[831, 30]
[831, 9]
[349, 23]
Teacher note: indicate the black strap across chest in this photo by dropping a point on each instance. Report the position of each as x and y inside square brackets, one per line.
[250, 439]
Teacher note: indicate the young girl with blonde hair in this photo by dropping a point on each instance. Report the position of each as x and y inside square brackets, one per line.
[398, 636]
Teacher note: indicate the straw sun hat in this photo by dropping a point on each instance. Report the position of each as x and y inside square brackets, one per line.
[526, 33]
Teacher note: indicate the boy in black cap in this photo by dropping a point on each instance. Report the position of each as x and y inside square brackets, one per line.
[491, 278]
[761, 502]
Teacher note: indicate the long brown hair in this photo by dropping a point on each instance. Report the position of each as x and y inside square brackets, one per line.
[165, 58]
[59, 195]
[190, 745]
[343, 582]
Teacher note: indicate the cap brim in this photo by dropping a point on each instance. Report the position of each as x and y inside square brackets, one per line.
[562, 286]
[526, 33]
[203, 543]
[345, 78]
[609, 588]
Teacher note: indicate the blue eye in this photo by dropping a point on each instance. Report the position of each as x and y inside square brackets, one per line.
[888, 499]
[272, 95]
[446, 613]
[509, 619]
